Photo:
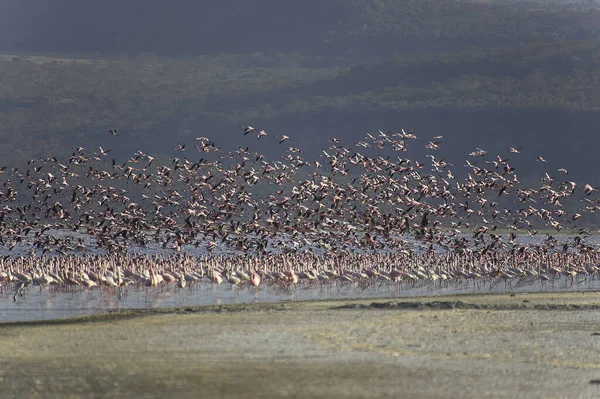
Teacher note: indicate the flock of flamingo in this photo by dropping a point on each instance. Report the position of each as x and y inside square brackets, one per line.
[363, 216]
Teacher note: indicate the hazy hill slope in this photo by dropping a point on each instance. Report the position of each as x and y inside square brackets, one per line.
[159, 101]
[358, 28]
[487, 73]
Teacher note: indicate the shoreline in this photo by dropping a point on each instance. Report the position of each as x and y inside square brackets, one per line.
[553, 300]
[472, 346]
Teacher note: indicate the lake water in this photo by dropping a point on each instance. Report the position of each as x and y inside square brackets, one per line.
[44, 306]
[36, 306]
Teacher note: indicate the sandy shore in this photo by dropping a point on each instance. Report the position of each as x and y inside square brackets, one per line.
[474, 346]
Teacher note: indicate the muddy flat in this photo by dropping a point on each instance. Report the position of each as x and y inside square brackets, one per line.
[472, 346]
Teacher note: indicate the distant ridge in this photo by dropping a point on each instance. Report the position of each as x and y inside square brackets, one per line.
[358, 28]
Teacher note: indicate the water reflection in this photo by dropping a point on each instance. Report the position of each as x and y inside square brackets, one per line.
[34, 305]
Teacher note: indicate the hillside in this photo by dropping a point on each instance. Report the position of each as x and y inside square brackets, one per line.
[493, 74]
[355, 28]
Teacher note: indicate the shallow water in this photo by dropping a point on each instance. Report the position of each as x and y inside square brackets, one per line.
[45, 306]
[34, 305]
